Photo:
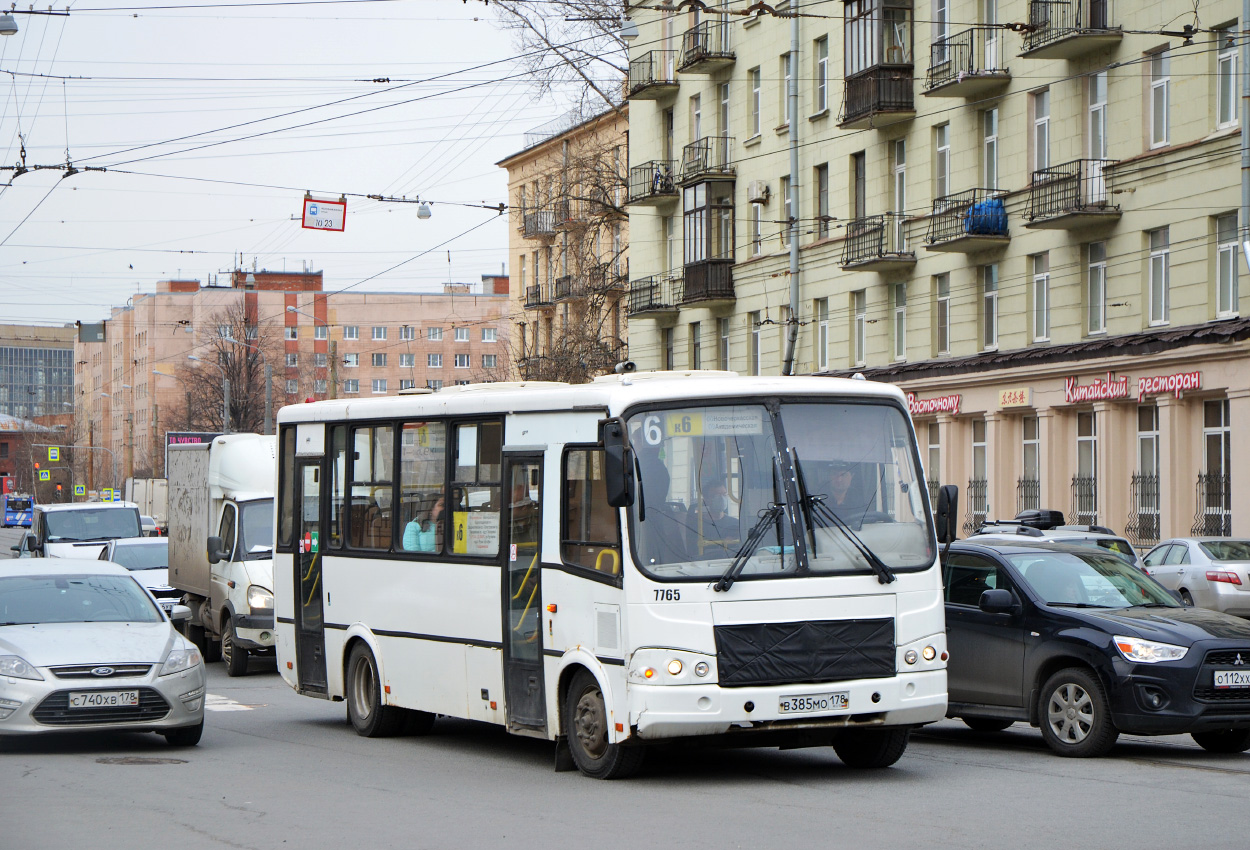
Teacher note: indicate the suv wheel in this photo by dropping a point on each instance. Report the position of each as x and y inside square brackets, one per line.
[1075, 718]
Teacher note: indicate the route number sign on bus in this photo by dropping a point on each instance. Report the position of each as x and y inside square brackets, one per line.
[325, 215]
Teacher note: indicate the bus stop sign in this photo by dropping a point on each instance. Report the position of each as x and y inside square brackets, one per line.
[325, 215]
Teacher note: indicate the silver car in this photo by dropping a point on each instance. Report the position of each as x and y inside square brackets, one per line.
[1210, 572]
[84, 647]
[148, 559]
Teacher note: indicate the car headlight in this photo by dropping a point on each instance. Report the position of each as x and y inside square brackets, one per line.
[258, 597]
[180, 660]
[18, 668]
[1148, 651]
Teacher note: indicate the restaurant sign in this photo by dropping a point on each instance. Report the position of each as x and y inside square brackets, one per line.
[1112, 388]
[1163, 384]
[1017, 397]
[928, 406]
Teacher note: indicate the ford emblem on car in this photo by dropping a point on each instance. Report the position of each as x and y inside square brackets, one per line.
[101, 671]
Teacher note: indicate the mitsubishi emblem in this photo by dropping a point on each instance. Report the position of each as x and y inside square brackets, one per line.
[1238, 660]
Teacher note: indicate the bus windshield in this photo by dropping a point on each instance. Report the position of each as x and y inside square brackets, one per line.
[720, 480]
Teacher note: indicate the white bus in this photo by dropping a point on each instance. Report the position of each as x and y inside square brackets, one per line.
[652, 556]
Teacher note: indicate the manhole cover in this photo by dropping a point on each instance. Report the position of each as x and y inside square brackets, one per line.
[138, 760]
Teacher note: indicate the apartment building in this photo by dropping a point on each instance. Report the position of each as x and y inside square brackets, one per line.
[137, 383]
[569, 246]
[1023, 213]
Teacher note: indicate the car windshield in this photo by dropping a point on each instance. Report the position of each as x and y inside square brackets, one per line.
[91, 524]
[146, 557]
[1088, 580]
[710, 475]
[256, 530]
[74, 599]
[1226, 550]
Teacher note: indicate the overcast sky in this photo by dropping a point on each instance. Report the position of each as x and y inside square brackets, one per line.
[71, 247]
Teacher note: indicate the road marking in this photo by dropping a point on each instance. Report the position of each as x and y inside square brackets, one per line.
[216, 702]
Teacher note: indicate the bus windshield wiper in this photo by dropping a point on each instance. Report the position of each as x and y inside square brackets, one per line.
[804, 502]
[769, 515]
[884, 574]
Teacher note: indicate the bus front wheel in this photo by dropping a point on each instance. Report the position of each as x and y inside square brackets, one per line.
[369, 717]
[586, 729]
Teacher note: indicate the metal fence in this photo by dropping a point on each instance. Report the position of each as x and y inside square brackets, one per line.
[878, 90]
[1028, 494]
[538, 295]
[705, 40]
[653, 179]
[875, 237]
[653, 68]
[708, 280]
[1142, 528]
[709, 155]
[1052, 20]
[1076, 186]
[978, 505]
[973, 52]
[1214, 514]
[657, 292]
[976, 212]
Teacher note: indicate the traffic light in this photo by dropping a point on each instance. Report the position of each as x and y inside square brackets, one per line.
[36, 464]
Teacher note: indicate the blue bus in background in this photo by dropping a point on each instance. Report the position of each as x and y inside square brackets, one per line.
[17, 511]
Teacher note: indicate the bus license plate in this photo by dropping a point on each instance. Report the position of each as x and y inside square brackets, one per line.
[1232, 678]
[813, 703]
[103, 699]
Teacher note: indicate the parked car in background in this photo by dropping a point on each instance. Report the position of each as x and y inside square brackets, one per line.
[1079, 642]
[148, 559]
[1047, 526]
[22, 548]
[1210, 572]
[149, 526]
[80, 529]
[84, 647]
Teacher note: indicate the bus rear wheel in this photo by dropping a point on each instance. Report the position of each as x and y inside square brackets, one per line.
[871, 748]
[369, 717]
[586, 729]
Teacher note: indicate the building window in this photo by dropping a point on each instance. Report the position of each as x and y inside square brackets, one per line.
[899, 166]
[1029, 488]
[708, 221]
[822, 333]
[942, 321]
[859, 184]
[696, 346]
[351, 332]
[900, 321]
[379, 385]
[1098, 115]
[407, 332]
[292, 360]
[989, 147]
[989, 306]
[1225, 78]
[490, 334]
[1097, 282]
[1160, 284]
[489, 361]
[696, 117]
[933, 463]
[379, 358]
[941, 160]
[351, 361]
[434, 334]
[434, 384]
[979, 486]
[321, 360]
[1226, 296]
[754, 105]
[351, 386]
[753, 353]
[786, 66]
[321, 332]
[434, 361]
[1085, 487]
[787, 212]
[1160, 94]
[757, 229]
[462, 334]
[822, 75]
[666, 342]
[1041, 129]
[292, 386]
[722, 350]
[822, 201]
[292, 332]
[319, 386]
[1041, 297]
[462, 361]
[407, 360]
[859, 327]
[521, 263]
[406, 384]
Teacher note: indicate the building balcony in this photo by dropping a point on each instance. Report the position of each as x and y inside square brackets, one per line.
[878, 97]
[877, 243]
[1072, 196]
[705, 48]
[606, 279]
[537, 296]
[652, 76]
[564, 288]
[655, 295]
[967, 64]
[1069, 29]
[709, 283]
[652, 184]
[538, 222]
[708, 156]
[970, 221]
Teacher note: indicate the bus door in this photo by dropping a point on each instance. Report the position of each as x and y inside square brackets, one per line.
[524, 697]
[310, 639]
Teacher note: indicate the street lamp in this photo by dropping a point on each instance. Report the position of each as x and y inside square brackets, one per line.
[8, 24]
[268, 377]
[225, 391]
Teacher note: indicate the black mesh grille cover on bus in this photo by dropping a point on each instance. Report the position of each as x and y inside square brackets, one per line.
[788, 653]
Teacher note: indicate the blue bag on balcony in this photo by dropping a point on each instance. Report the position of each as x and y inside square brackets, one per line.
[986, 218]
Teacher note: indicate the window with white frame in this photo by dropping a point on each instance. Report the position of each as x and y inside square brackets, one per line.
[1041, 129]
[319, 386]
[786, 72]
[379, 332]
[462, 334]
[407, 333]
[379, 385]
[321, 360]
[822, 201]
[900, 321]
[1160, 277]
[351, 332]
[462, 361]
[407, 383]
[490, 334]
[521, 271]
[321, 332]
[1098, 115]
[489, 361]
[822, 333]
[933, 463]
[351, 361]
[434, 384]
[696, 117]
[434, 361]
[722, 350]
[757, 229]
[1160, 95]
[753, 353]
[822, 74]
[859, 327]
[942, 321]
[434, 334]
[898, 165]
[292, 332]
[292, 386]
[407, 360]
[989, 147]
[292, 360]
[1226, 303]
[1096, 282]
[941, 160]
[989, 306]
[1041, 296]
[1225, 78]
[754, 105]
[379, 358]
[351, 386]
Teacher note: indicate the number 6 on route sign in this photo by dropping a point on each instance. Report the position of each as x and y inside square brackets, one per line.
[325, 215]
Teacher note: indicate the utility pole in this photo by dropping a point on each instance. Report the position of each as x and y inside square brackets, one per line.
[334, 362]
[792, 330]
[268, 398]
[130, 445]
[225, 408]
[156, 433]
[91, 449]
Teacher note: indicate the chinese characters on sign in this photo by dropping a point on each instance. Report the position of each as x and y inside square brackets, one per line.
[1018, 397]
[325, 215]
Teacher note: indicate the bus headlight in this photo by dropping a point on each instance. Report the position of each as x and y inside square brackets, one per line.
[659, 666]
[674, 667]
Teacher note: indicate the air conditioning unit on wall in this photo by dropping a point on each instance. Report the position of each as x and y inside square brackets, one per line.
[757, 192]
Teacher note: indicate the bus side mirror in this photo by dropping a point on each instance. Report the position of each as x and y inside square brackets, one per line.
[618, 462]
[946, 516]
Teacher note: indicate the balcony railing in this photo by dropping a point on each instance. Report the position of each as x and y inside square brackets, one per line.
[1084, 500]
[606, 279]
[709, 280]
[707, 156]
[655, 294]
[968, 63]
[881, 95]
[1142, 528]
[1214, 514]
[539, 222]
[1028, 494]
[652, 183]
[705, 47]
[563, 288]
[1065, 29]
[877, 241]
[978, 505]
[968, 221]
[1073, 189]
[538, 295]
[653, 75]
[934, 488]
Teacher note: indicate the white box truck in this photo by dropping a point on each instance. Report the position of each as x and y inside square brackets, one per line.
[221, 544]
[152, 497]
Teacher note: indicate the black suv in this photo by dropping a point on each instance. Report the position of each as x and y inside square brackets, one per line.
[1077, 641]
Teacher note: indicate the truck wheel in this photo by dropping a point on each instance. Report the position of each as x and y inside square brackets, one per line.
[234, 655]
[365, 710]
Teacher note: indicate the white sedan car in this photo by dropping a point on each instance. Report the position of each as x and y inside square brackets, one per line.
[84, 647]
[1210, 572]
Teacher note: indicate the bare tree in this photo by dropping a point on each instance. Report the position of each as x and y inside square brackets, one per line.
[243, 365]
[573, 43]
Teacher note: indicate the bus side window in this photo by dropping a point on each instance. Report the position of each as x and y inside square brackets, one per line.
[475, 491]
[372, 482]
[338, 487]
[590, 534]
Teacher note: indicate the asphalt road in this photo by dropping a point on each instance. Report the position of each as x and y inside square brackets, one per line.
[277, 770]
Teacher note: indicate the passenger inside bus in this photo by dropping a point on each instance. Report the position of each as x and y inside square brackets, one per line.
[424, 532]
